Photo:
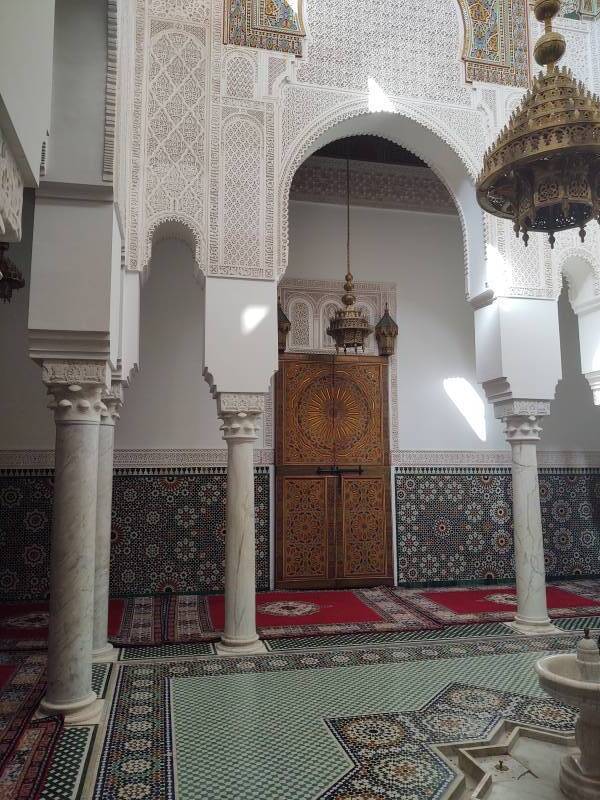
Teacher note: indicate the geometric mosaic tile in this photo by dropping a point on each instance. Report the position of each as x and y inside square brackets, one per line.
[100, 676]
[393, 753]
[577, 623]
[166, 651]
[281, 724]
[69, 763]
[232, 714]
[333, 641]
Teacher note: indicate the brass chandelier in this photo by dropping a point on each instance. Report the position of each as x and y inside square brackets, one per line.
[543, 170]
[348, 326]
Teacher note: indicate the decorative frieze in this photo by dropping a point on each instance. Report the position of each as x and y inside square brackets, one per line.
[41, 461]
[268, 24]
[11, 194]
[323, 180]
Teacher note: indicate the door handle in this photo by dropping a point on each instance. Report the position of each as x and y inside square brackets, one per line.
[339, 471]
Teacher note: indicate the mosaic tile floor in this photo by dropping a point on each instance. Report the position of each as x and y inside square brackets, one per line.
[276, 726]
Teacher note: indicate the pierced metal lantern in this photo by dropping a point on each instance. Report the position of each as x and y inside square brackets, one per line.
[543, 170]
[283, 327]
[10, 277]
[348, 327]
[386, 332]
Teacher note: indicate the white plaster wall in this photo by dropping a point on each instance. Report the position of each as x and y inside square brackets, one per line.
[422, 254]
[25, 422]
[26, 42]
[76, 145]
[168, 404]
[574, 423]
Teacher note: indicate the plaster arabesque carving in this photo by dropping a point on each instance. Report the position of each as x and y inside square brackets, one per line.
[11, 194]
[198, 176]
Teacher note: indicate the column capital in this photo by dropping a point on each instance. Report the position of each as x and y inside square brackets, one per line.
[75, 389]
[593, 378]
[113, 400]
[521, 408]
[522, 428]
[240, 414]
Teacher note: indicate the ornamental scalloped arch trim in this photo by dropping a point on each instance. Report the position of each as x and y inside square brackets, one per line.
[177, 227]
[423, 135]
[580, 267]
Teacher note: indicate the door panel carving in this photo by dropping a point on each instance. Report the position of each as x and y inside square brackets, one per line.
[304, 527]
[332, 466]
[358, 413]
[363, 526]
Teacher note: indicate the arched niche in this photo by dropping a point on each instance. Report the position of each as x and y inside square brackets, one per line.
[422, 135]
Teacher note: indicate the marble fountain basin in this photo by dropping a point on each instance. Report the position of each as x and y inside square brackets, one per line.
[560, 677]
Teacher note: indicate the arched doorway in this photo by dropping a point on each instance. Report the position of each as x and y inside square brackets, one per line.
[416, 241]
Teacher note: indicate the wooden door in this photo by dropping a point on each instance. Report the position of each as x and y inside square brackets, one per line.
[332, 472]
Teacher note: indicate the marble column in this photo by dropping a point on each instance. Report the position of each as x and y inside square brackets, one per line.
[76, 390]
[102, 649]
[240, 414]
[523, 433]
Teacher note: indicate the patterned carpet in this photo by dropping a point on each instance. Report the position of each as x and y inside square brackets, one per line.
[28, 746]
[24, 685]
[24, 626]
[459, 605]
[192, 618]
[26, 766]
[186, 619]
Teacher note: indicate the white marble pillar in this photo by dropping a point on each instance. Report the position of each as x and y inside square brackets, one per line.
[102, 649]
[240, 414]
[76, 388]
[523, 433]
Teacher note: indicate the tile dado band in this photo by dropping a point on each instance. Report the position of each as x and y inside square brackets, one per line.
[168, 530]
[453, 524]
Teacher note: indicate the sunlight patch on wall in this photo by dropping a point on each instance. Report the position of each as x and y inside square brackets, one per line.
[252, 316]
[497, 270]
[378, 99]
[469, 403]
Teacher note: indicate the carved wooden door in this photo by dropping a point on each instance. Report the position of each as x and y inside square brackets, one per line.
[332, 472]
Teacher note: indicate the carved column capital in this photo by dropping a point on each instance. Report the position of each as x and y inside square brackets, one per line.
[75, 389]
[522, 428]
[593, 378]
[240, 414]
[113, 400]
[521, 408]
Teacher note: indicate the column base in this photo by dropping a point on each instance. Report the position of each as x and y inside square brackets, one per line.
[532, 627]
[82, 712]
[574, 784]
[228, 647]
[106, 653]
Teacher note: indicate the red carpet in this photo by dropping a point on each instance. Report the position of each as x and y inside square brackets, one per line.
[19, 696]
[24, 626]
[280, 609]
[26, 766]
[496, 603]
[192, 618]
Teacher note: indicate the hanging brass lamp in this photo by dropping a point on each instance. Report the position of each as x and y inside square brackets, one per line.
[386, 332]
[348, 327]
[10, 276]
[543, 170]
[283, 327]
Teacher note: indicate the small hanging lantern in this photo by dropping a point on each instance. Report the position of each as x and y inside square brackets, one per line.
[386, 332]
[348, 327]
[10, 277]
[283, 326]
[543, 170]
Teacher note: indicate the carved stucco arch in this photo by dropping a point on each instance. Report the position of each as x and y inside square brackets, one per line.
[176, 227]
[578, 292]
[423, 135]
